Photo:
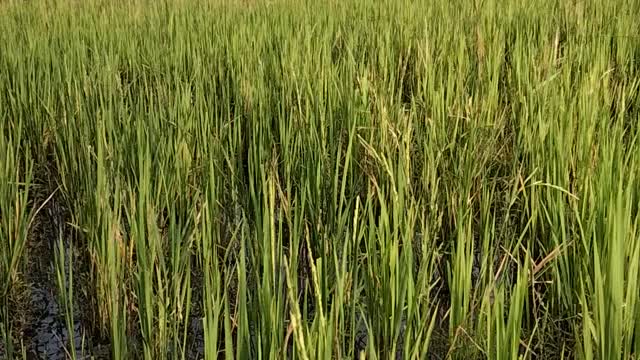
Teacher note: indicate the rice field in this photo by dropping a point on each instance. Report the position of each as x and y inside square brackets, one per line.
[319, 179]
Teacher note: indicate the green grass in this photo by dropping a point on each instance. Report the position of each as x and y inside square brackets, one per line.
[328, 180]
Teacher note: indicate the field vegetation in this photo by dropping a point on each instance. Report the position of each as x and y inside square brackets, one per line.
[320, 179]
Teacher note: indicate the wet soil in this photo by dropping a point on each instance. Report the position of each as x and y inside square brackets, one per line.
[195, 340]
[45, 333]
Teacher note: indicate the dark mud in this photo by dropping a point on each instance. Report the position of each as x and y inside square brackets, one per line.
[46, 334]
[195, 340]
[49, 336]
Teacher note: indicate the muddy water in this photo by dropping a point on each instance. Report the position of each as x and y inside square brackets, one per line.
[47, 335]
[196, 331]
[50, 338]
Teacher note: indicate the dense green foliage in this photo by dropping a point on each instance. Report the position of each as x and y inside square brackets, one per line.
[320, 180]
